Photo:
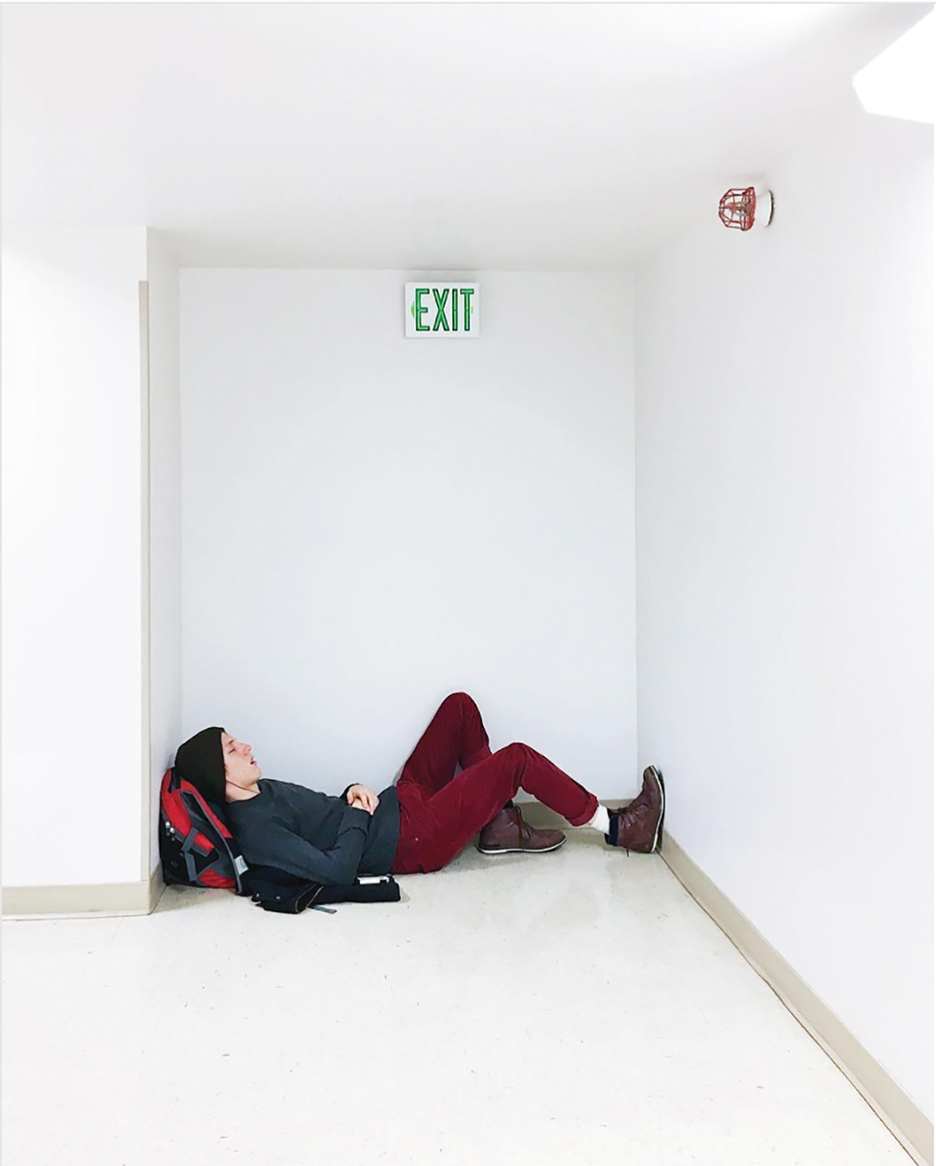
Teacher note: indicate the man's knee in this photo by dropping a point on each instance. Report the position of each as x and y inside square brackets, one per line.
[517, 750]
[459, 698]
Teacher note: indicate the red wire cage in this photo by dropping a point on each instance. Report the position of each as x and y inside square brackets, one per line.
[737, 207]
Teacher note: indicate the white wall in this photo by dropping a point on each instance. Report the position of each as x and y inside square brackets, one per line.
[784, 550]
[72, 645]
[371, 522]
[165, 520]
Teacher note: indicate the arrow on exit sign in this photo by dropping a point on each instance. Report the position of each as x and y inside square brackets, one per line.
[443, 310]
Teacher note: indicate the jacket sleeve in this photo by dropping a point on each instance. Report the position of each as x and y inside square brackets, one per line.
[279, 847]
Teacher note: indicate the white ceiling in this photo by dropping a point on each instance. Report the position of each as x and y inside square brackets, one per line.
[434, 136]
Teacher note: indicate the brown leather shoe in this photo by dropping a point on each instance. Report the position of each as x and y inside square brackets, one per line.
[509, 834]
[639, 826]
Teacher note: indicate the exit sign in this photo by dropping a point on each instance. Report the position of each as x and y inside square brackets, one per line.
[443, 310]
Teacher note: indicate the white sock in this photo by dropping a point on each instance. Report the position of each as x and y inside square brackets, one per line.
[601, 820]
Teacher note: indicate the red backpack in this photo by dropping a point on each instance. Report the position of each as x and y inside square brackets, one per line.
[196, 848]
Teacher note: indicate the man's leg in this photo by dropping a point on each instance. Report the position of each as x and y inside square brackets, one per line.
[468, 802]
[455, 736]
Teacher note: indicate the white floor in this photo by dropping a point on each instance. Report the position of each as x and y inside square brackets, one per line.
[572, 1007]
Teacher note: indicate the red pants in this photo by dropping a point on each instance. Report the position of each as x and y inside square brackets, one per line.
[440, 812]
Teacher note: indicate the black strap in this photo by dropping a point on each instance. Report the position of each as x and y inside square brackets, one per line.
[276, 890]
[383, 892]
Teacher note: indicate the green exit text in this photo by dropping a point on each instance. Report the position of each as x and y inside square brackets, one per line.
[443, 309]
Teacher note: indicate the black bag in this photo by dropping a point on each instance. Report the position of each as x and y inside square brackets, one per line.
[276, 890]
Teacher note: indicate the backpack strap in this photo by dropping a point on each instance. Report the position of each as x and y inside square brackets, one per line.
[191, 840]
[238, 864]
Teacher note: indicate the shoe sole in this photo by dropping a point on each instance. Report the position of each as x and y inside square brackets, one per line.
[522, 849]
[658, 833]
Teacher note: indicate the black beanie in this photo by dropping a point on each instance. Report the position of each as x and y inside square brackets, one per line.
[200, 760]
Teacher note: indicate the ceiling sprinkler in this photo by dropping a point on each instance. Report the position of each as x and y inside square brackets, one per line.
[743, 207]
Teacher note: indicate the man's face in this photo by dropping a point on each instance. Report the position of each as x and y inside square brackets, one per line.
[239, 765]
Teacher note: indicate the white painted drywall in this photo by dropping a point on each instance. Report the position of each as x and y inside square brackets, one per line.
[72, 662]
[370, 523]
[785, 586]
[165, 519]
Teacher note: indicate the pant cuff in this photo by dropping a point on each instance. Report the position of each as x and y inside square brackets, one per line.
[589, 813]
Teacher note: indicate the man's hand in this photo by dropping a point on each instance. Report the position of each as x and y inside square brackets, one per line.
[363, 798]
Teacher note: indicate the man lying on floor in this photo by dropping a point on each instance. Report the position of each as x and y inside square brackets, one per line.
[422, 822]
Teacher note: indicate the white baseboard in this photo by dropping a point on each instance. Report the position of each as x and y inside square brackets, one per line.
[902, 1116]
[138, 898]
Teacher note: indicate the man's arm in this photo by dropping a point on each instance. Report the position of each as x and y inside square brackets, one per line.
[274, 845]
